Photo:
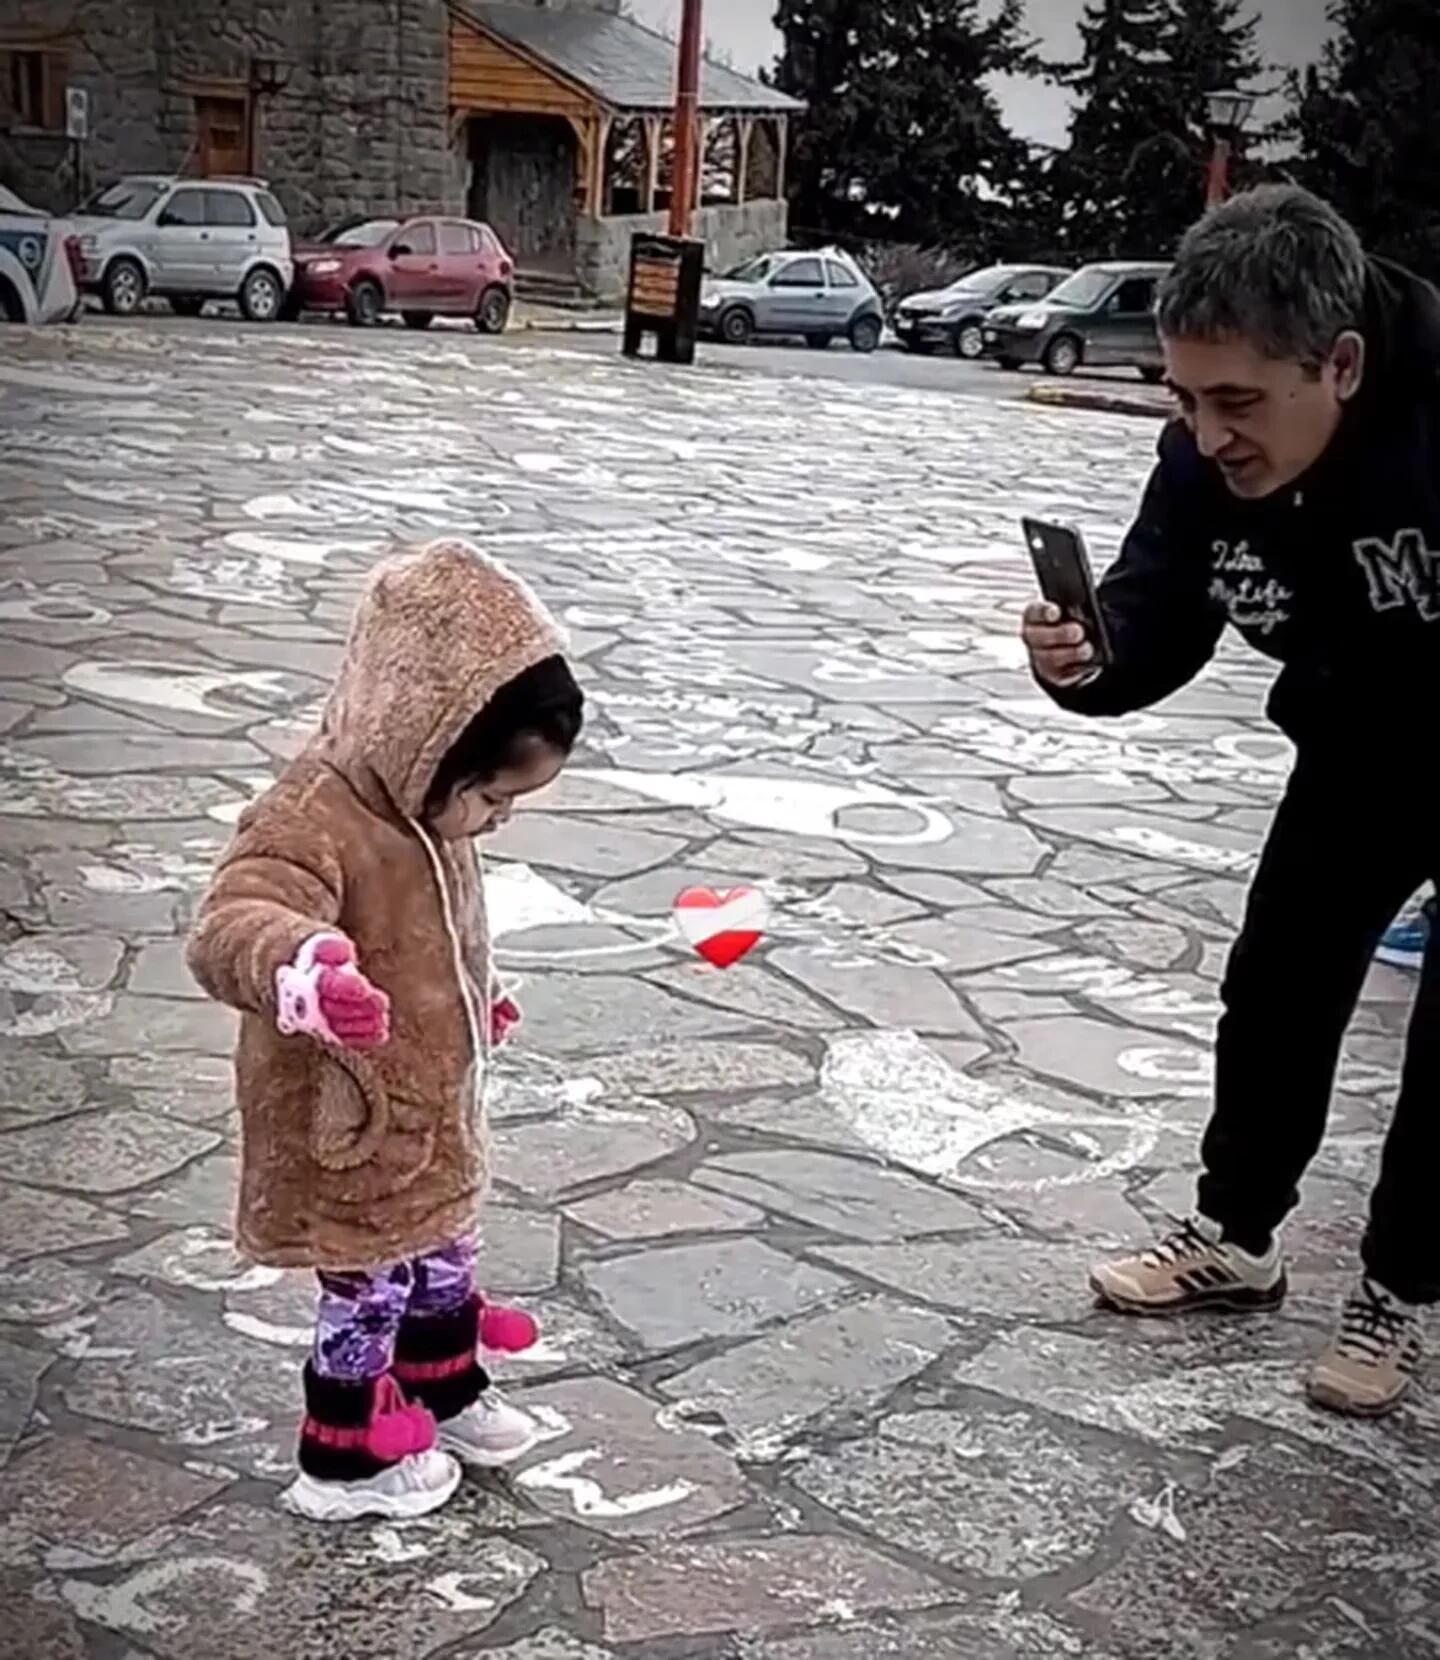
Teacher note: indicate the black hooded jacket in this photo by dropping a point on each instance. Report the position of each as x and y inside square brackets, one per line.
[1337, 576]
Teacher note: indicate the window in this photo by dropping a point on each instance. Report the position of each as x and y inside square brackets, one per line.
[367, 233]
[274, 213]
[1134, 295]
[753, 270]
[1035, 286]
[1084, 289]
[799, 273]
[459, 239]
[131, 199]
[417, 238]
[228, 208]
[32, 89]
[185, 207]
[840, 276]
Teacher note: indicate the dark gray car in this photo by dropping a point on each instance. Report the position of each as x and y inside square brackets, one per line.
[1102, 316]
[954, 316]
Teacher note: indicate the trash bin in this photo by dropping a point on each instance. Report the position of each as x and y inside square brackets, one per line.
[666, 273]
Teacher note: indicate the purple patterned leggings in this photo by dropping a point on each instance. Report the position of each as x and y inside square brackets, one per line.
[359, 1314]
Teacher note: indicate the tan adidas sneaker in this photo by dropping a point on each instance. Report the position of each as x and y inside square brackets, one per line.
[1190, 1268]
[1370, 1364]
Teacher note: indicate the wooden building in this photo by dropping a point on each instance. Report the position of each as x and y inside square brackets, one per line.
[564, 116]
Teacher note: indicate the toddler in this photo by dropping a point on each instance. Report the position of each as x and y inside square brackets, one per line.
[346, 922]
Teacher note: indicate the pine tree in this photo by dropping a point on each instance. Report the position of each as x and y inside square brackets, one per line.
[902, 136]
[1132, 179]
[1366, 122]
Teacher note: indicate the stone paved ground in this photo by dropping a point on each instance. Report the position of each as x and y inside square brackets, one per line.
[820, 1380]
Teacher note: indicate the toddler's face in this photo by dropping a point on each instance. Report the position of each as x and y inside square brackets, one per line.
[482, 808]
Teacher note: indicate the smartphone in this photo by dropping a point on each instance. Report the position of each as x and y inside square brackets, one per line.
[1062, 569]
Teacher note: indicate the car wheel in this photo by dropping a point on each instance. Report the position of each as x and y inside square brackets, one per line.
[819, 342]
[418, 319]
[492, 315]
[1062, 355]
[186, 305]
[123, 288]
[969, 341]
[737, 327]
[364, 303]
[261, 296]
[865, 334]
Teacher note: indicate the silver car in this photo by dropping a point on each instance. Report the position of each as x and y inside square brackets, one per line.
[37, 275]
[818, 296]
[189, 241]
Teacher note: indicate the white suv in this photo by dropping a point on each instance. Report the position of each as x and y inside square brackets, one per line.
[189, 240]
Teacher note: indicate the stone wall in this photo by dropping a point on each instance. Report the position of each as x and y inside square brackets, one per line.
[361, 124]
[731, 234]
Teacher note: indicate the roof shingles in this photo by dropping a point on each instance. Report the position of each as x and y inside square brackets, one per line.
[617, 60]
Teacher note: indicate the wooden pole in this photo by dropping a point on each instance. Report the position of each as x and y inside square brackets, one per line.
[687, 120]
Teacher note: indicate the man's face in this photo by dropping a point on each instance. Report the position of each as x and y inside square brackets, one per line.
[1264, 421]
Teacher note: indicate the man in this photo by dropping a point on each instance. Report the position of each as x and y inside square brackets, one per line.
[1298, 499]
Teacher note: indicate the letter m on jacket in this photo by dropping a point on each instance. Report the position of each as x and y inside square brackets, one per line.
[1403, 572]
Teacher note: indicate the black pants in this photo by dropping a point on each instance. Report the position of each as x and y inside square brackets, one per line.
[1344, 854]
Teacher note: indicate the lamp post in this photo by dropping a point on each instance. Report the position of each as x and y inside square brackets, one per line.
[1228, 112]
[687, 120]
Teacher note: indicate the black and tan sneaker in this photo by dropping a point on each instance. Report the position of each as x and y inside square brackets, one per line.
[1369, 1367]
[1192, 1267]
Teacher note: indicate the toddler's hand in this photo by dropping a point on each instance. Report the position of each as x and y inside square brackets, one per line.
[504, 1018]
[324, 995]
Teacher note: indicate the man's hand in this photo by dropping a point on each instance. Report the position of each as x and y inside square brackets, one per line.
[1059, 651]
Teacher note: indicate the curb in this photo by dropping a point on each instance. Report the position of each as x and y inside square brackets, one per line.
[569, 325]
[1105, 403]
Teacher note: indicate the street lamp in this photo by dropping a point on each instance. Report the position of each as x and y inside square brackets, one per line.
[1228, 112]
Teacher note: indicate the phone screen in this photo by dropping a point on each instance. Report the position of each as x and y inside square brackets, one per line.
[1062, 569]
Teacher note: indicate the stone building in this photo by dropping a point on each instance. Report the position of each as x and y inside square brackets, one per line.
[548, 117]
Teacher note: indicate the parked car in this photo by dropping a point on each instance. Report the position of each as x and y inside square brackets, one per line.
[818, 296]
[955, 316]
[39, 262]
[422, 268]
[1103, 315]
[189, 241]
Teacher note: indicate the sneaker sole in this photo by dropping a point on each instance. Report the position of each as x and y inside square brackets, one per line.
[321, 1501]
[1335, 1400]
[477, 1460]
[1233, 1301]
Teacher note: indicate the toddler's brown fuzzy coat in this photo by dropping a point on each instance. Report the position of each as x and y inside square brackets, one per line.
[353, 1161]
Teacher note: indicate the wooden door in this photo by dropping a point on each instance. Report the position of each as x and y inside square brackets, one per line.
[222, 135]
[524, 185]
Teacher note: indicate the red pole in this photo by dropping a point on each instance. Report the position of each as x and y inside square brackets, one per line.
[687, 121]
[1217, 185]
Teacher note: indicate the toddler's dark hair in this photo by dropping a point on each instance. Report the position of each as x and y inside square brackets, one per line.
[541, 706]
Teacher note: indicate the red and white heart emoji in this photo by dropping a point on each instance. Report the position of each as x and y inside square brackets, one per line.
[722, 927]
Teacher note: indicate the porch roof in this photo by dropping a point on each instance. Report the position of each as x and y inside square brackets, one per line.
[619, 62]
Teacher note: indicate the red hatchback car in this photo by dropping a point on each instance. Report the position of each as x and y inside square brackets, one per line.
[422, 268]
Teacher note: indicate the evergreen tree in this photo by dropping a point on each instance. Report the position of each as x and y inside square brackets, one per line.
[902, 137]
[1366, 123]
[1133, 177]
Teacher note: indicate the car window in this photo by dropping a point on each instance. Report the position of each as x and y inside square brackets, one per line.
[274, 213]
[419, 237]
[1134, 295]
[839, 276]
[185, 207]
[130, 199]
[458, 239]
[799, 273]
[370, 233]
[228, 208]
[1084, 289]
[1034, 286]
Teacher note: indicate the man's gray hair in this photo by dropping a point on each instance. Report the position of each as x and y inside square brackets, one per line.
[1277, 267]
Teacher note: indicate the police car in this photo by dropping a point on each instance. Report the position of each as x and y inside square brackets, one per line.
[38, 261]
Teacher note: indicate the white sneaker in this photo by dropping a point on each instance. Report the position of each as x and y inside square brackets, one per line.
[489, 1433]
[413, 1487]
